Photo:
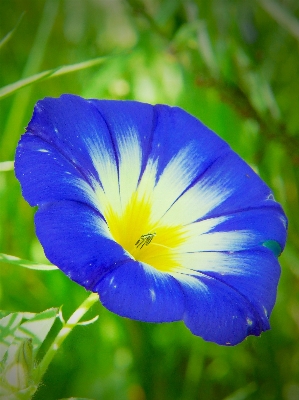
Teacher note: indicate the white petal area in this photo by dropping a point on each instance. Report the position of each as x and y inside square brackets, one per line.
[100, 227]
[189, 281]
[106, 167]
[130, 158]
[93, 192]
[204, 226]
[222, 263]
[148, 181]
[199, 200]
[176, 177]
[219, 241]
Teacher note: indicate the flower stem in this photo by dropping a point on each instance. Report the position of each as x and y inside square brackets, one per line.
[62, 335]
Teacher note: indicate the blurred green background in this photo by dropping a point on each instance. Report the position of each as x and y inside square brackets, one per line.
[233, 64]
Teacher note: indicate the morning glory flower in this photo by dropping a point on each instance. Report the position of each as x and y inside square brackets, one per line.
[152, 210]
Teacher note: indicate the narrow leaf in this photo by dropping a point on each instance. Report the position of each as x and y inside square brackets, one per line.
[16, 327]
[37, 328]
[8, 36]
[13, 87]
[24, 394]
[26, 264]
[206, 49]
[282, 16]
[8, 327]
[76, 398]
[6, 166]
[243, 393]
[18, 365]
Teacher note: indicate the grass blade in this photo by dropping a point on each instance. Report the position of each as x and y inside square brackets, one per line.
[282, 16]
[26, 264]
[51, 73]
[15, 117]
[6, 166]
[9, 35]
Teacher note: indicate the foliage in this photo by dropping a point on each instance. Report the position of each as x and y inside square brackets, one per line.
[21, 335]
[232, 64]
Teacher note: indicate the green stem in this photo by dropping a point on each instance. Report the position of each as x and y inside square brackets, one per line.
[62, 335]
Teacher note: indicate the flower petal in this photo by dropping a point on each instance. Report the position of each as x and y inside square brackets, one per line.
[175, 129]
[183, 149]
[74, 128]
[145, 294]
[253, 273]
[130, 125]
[218, 312]
[48, 176]
[77, 240]
[179, 146]
[236, 231]
[77, 130]
[220, 190]
[105, 173]
[265, 223]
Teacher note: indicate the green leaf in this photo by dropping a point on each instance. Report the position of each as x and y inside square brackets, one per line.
[16, 327]
[282, 16]
[13, 87]
[243, 393]
[6, 166]
[26, 264]
[24, 394]
[8, 326]
[37, 328]
[21, 335]
[9, 35]
[4, 313]
[18, 365]
[76, 398]
[206, 49]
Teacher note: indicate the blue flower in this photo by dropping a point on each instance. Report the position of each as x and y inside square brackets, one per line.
[148, 207]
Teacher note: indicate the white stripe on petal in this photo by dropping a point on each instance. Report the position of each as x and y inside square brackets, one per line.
[147, 181]
[129, 166]
[221, 263]
[102, 228]
[204, 226]
[176, 177]
[199, 200]
[106, 167]
[188, 280]
[99, 224]
[219, 241]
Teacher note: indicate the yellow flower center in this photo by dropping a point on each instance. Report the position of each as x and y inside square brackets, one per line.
[146, 240]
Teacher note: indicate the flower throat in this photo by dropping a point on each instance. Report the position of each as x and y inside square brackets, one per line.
[146, 240]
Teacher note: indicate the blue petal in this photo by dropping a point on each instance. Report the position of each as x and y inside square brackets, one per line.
[175, 129]
[77, 240]
[244, 188]
[78, 152]
[226, 186]
[124, 118]
[267, 223]
[218, 312]
[46, 175]
[138, 291]
[162, 131]
[254, 274]
[76, 129]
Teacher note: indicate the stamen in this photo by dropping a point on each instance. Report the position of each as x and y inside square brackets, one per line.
[145, 240]
[128, 226]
